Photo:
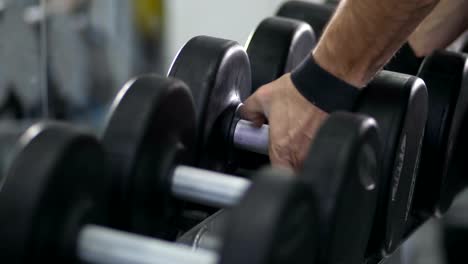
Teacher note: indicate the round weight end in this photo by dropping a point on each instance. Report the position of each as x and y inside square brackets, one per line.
[55, 184]
[398, 103]
[275, 222]
[343, 169]
[217, 72]
[443, 166]
[277, 46]
[316, 15]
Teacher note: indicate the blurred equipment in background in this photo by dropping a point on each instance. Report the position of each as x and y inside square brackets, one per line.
[19, 57]
[150, 18]
[94, 48]
[91, 48]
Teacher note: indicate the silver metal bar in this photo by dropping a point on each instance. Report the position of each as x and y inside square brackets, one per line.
[101, 245]
[208, 187]
[251, 138]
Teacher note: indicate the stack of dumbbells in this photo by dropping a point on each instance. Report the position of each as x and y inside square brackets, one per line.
[176, 144]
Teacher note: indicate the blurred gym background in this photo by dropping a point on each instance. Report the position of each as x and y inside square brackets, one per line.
[82, 51]
[66, 59]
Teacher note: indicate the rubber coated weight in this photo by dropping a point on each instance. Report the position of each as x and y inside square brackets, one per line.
[218, 73]
[10, 132]
[343, 169]
[151, 127]
[280, 43]
[50, 162]
[443, 173]
[316, 15]
[399, 104]
[284, 230]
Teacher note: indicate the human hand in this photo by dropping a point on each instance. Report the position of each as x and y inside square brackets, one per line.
[293, 120]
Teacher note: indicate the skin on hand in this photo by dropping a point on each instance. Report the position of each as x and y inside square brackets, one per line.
[444, 24]
[363, 35]
[293, 121]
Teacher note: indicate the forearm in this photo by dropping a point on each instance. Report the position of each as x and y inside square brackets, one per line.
[364, 34]
[446, 22]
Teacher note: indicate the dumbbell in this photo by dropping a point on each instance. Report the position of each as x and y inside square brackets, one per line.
[150, 135]
[293, 41]
[54, 201]
[441, 169]
[218, 73]
[316, 15]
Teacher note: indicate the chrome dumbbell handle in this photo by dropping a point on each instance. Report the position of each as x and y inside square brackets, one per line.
[208, 187]
[100, 245]
[218, 189]
[251, 138]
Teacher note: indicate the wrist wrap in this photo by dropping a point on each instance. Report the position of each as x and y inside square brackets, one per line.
[323, 89]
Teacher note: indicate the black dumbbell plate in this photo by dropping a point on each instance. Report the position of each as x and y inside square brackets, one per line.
[150, 130]
[443, 165]
[218, 73]
[276, 47]
[55, 181]
[275, 222]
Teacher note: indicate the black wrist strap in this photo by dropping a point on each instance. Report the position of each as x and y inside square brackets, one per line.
[323, 89]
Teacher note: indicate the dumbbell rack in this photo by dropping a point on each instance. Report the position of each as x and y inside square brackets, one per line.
[189, 179]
